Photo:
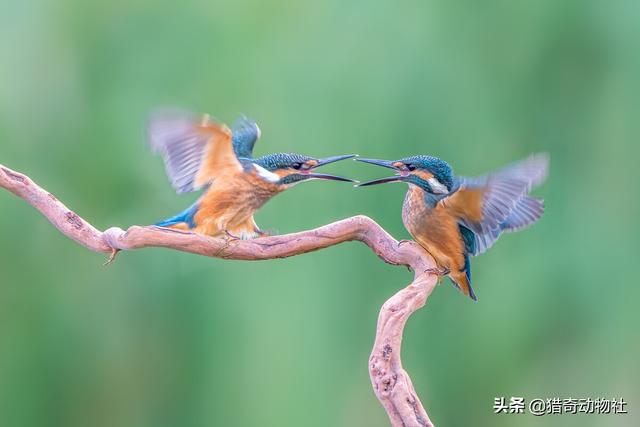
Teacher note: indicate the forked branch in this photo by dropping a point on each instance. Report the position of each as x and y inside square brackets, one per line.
[390, 381]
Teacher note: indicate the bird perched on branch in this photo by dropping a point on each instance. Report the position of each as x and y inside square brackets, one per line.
[455, 217]
[200, 153]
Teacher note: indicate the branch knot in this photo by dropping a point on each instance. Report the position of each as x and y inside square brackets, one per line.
[113, 236]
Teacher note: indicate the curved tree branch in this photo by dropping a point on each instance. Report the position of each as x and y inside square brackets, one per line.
[390, 381]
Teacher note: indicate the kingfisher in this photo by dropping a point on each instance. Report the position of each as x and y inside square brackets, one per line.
[201, 153]
[455, 217]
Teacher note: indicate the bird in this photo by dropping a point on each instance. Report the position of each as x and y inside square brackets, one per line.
[455, 217]
[201, 153]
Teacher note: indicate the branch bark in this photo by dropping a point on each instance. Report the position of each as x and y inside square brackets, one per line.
[390, 381]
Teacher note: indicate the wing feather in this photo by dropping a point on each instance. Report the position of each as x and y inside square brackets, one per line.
[195, 149]
[499, 201]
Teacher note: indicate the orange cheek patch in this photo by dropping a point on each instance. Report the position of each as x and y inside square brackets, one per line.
[283, 172]
[424, 175]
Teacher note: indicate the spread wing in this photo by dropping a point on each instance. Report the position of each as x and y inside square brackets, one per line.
[195, 149]
[499, 201]
[245, 134]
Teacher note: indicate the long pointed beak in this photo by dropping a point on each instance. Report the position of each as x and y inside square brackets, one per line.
[384, 164]
[377, 162]
[332, 159]
[328, 177]
[396, 178]
[326, 161]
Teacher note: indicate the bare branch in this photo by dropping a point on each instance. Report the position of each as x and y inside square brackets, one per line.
[390, 381]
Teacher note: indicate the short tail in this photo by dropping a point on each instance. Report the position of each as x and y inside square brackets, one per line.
[462, 281]
[186, 217]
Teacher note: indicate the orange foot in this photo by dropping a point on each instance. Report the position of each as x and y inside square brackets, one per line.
[438, 271]
[261, 233]
[230, 235]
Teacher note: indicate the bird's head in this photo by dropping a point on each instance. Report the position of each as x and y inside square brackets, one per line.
[288, 169]
[431, 174]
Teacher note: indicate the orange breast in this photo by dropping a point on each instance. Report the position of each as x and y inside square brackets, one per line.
[435, 229]
[231, 202]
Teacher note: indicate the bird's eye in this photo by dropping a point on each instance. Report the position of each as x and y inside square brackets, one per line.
[411, 167]
[296, 165]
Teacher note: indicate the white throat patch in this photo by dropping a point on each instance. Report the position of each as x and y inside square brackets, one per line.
[437, 187]
[265, 174]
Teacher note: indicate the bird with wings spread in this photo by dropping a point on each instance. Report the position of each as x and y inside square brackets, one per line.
[455, 217]
[200, 153]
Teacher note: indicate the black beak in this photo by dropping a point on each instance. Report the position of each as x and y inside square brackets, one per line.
[332, 159]
[328, 177]
[385, 164]
[396, 178]
[326, 161]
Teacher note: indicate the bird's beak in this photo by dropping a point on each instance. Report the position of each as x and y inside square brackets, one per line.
[386, 164]
[377, 162]
[326, 161]
[328, 177]
[396, 178]
[332, 159]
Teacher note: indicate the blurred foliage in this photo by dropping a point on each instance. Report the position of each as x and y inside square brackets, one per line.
[163, 338]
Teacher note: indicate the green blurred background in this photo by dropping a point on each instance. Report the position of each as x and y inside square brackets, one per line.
[163, 338]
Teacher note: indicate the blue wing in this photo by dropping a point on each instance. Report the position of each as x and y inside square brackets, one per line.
[245, 134]
[526, 212]
[506, 205]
